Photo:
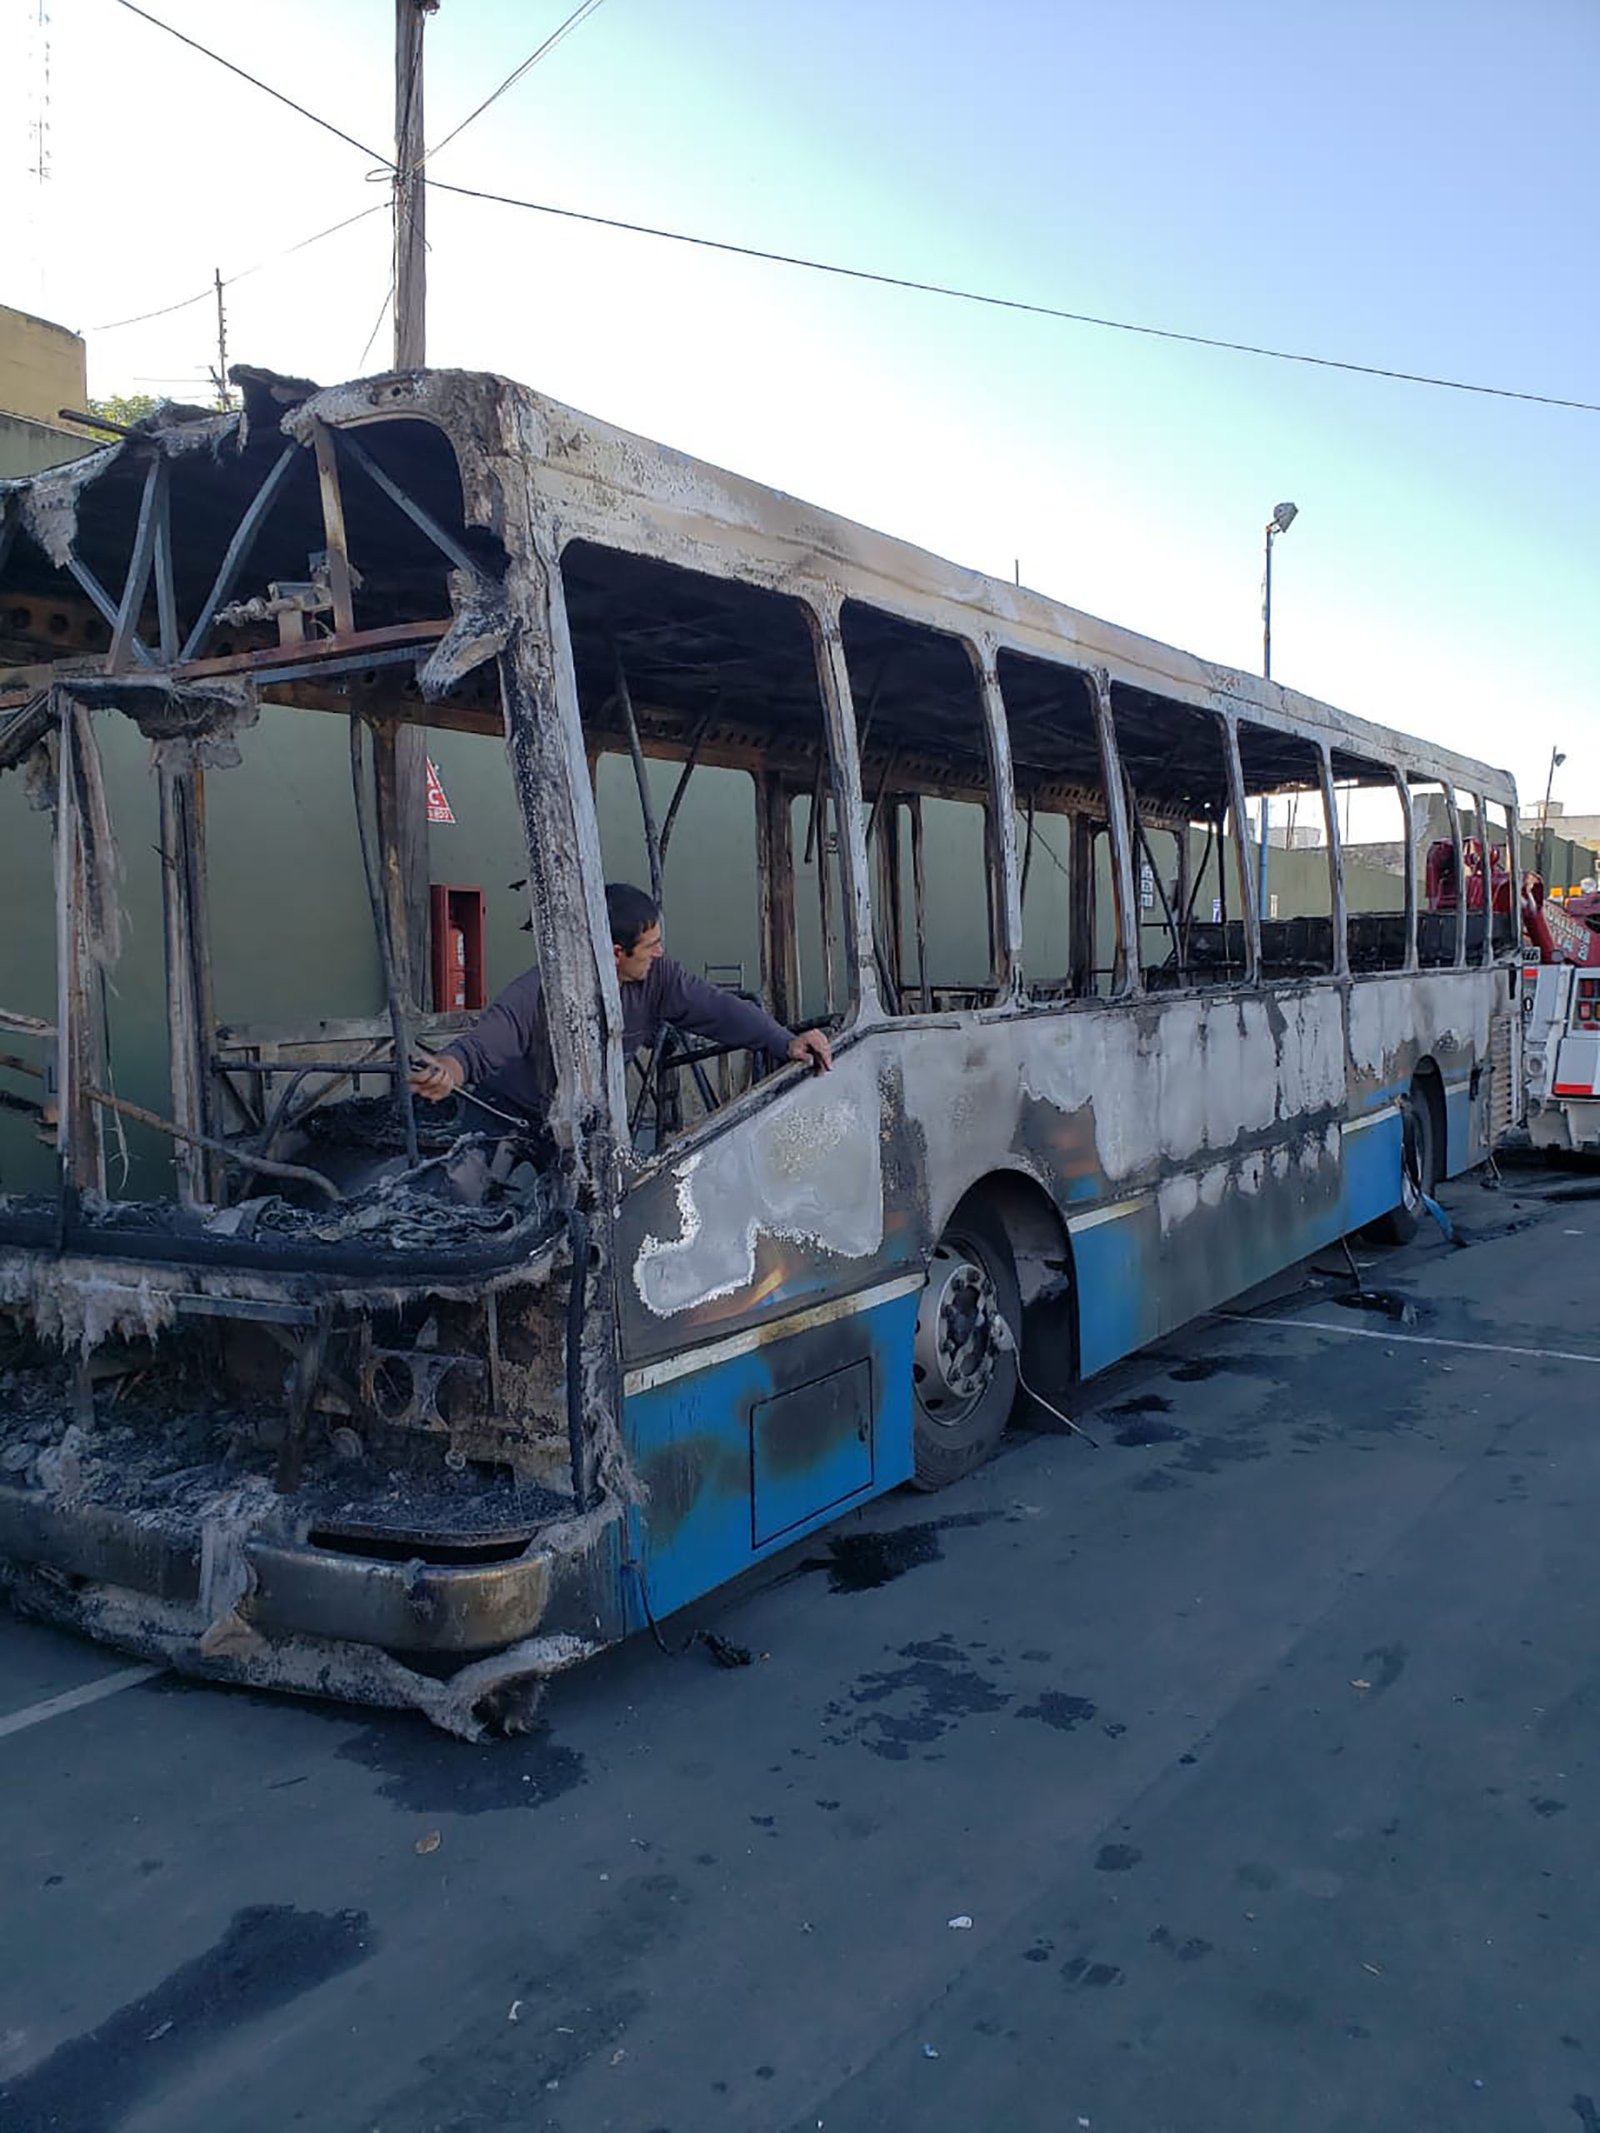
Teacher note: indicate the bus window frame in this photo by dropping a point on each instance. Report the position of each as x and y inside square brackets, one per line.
[999, 832]
[818, 609]
[1084, 827]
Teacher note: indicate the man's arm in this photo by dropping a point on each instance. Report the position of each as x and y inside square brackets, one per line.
[694, 1004]
[509, 1029]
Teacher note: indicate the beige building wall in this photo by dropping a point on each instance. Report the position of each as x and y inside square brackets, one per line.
[43, 368]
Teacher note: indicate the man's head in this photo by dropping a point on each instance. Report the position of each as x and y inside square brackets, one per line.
[635, 930]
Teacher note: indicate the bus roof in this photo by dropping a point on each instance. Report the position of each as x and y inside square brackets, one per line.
[610, 486]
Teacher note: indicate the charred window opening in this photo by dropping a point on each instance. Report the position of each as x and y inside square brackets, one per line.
[1504, 874]
[1478, 890]
[1061, 820]
[1283, 775]
[703, 718]
[1372, 844]
[1437, 858]
[1181, 830]
[247, 1030]
[926, 791]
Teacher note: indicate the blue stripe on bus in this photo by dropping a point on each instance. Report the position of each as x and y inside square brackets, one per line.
[750, 1454]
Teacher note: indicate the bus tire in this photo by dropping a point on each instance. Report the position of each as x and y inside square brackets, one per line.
[1419, 1168]
[963, 1378]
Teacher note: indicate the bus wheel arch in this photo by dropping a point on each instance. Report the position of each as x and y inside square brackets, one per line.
[1002, 1253]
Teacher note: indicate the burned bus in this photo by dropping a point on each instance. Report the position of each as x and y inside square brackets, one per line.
[312, 1385]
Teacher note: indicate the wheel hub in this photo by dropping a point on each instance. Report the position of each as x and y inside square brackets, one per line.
[956, 1350]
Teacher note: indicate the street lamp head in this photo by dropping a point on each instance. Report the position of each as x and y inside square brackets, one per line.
[1284, 517]
[1557, 757]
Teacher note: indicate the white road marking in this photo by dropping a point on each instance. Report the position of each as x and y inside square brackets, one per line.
[36, 1714]
[1410, 1340]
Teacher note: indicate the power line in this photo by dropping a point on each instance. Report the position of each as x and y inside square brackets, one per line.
[388, 298]
[1013, 303]
[378, 207]
[579, 14]
[327, 125]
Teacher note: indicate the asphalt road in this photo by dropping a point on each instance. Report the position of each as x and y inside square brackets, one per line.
[1236, 1775]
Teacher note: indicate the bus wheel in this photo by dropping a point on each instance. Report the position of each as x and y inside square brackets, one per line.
[963, 1371]
[1419, 1169]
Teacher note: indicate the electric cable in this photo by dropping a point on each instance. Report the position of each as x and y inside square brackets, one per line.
[388, 298]
[208, 294]
[579, 14]
[1006, 1341]
[1012, 303]
[255, 82]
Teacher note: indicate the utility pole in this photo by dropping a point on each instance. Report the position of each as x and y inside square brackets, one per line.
[219, 376]
[410, 187]
[400, 765]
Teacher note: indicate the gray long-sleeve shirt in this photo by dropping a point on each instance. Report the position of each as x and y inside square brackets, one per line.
[507, 1050]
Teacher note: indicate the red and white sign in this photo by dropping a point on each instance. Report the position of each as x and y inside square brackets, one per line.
[438, 805]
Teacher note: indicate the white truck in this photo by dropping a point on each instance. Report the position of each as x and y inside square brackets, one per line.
[1561, 1027]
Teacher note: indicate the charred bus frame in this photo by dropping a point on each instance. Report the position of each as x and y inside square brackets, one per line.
[680, 1355]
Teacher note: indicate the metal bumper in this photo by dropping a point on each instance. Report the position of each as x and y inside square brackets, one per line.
[295, 1589]
[401, 1607]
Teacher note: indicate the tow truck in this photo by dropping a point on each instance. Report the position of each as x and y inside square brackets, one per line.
[1561, 1019]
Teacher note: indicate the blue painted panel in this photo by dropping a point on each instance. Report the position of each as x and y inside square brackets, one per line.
[1134, 1285]
[1115, 1265]
[692, 1443]
[809, 1450]
[1371, 1172]
[1458, 1124]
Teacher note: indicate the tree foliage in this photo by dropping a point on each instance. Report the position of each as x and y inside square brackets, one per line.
[126, 408]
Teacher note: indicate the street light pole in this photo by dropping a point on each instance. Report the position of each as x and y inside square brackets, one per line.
[1556, 760]
[1282, 519]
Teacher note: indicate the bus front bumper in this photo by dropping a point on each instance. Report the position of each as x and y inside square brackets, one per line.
[290, 1614]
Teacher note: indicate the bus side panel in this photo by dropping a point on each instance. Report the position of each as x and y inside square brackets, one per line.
[1114, 1253]
[1372, 1158]
[1463, 1145]
[745, 1456]
[1152, 1263]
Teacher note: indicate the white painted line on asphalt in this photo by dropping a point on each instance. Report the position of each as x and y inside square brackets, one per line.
[36, 1714]
[1410, 1340]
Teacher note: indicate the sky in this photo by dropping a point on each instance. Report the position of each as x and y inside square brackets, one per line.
[1407, 184]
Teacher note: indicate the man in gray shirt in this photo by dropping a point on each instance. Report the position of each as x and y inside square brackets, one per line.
[506, 1054]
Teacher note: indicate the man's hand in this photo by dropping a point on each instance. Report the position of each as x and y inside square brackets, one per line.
[441, 1077]
[812, 1049]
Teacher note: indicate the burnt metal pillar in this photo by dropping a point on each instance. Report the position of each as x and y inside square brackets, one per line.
[1403, 787]
[1330, 807]
[838, 703]
[1080, 905]
[190, 1016]
[1005, 891]
[1127, 977]
[400, 771]
[775, 869]
[80, 1037]
[339, 582]
[1249, 911]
